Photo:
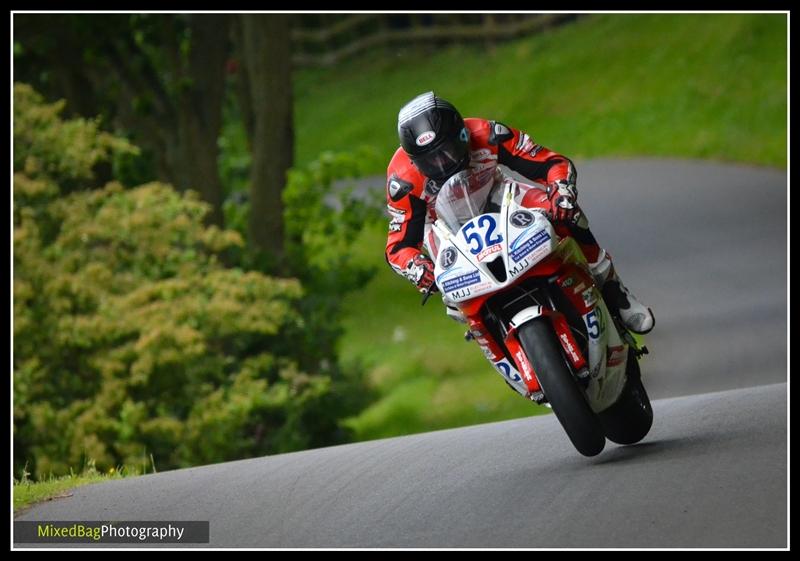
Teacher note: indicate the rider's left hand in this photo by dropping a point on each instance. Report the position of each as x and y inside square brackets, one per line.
[563, 197]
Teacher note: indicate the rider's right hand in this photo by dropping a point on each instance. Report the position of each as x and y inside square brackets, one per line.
[420, 270]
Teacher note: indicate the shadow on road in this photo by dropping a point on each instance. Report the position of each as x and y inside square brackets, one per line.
[641, 450]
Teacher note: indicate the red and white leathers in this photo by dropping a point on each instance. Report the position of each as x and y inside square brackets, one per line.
[411, 197]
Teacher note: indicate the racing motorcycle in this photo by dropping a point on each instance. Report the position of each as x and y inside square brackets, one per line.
[532, 305]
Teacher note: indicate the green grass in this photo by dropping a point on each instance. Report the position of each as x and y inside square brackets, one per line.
[27, 493]
[707, 86]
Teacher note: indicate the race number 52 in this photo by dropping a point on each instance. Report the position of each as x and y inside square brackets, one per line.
[481, 233]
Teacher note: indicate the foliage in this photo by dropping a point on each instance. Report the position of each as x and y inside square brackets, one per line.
[46, 146]
[325, 210]
[132, 335]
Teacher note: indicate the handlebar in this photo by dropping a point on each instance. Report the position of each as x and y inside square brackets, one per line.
[427, 293]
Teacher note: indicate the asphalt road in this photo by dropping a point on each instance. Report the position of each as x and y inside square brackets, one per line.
[706, 246]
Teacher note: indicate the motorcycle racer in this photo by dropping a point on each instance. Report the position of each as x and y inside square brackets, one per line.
[436, 143]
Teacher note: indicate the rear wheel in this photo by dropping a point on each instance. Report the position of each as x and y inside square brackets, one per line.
[560, 387]
[630, 418]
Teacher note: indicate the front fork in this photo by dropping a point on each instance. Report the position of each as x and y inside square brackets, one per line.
[607, 347]
[577, 285]
[518, 371]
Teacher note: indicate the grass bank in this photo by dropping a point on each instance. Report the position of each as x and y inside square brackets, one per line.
[28, 492]
[692, 85]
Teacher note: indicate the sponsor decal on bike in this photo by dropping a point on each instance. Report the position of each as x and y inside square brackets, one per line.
[616, 356]
[425, 138]
[529, 246]
[460, 294]
[593, 327]
[570, 349]
[448, 258]
[519, 267]
[453, 284]
[523, 361]
[508, 371]
[535, 150]
[589, 296]
[480, 288]
[521, 218]
[491, 250]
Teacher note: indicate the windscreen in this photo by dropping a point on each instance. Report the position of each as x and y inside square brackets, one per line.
[461, 199]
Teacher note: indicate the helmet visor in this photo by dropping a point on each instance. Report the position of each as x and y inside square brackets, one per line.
[444, 161]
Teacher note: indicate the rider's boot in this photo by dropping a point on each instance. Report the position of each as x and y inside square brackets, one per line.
[636, 316]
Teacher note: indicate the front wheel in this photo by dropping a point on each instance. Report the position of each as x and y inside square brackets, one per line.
[630, 418]
[560, 387]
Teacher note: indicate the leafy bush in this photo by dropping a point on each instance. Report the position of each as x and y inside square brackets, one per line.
[324, 213]
[132, 336]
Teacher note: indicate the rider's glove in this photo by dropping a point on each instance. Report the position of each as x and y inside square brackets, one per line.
[420, 271]
[563, 197]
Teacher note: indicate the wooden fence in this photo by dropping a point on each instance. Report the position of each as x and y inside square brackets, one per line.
[333, 40]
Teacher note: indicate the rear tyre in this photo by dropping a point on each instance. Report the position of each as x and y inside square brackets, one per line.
[630, 418]
[560, 387]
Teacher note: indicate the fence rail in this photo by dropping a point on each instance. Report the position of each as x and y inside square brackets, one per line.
[350, 36]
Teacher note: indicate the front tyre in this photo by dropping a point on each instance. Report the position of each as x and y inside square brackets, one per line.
[630, 418]
[560, 387]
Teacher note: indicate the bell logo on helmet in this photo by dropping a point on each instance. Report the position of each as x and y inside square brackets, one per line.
[425, 138]
[464, 136]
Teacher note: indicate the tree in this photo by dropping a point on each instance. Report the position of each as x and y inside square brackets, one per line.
[266, 101]
[161, 77]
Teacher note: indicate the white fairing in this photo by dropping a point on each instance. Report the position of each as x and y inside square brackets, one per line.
[607, 358]
[517, 238]
[468, 241]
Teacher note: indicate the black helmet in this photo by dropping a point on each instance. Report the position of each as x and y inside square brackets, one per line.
[433, 134]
